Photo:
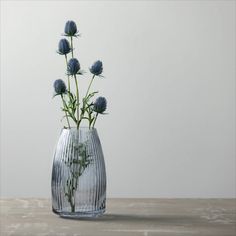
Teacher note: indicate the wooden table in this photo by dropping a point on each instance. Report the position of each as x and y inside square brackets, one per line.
[135, 217]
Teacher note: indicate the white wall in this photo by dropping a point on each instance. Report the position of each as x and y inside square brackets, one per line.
[170, 85]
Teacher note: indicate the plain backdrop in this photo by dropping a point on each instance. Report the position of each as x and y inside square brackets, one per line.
[169, 70]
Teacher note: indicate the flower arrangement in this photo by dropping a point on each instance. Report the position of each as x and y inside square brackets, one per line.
[76, 110]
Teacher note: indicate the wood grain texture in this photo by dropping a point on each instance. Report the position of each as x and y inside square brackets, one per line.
[131, 217]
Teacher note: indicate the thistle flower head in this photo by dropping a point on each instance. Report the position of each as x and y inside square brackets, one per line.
[73, 66]
[59, 87]
[96, 68]
[64, 47]
[100, 105]
[70, 28]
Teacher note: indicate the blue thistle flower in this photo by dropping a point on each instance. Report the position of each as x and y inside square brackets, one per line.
[71, 29]
[59, 87]
[96, 68]
[73, 66]
[64, 47]
[100, 105]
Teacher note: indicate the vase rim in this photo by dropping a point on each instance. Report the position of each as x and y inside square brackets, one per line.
[80, 128]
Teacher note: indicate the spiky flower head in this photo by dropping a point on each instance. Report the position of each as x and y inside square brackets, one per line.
[59, 87]
[64, 47]
[96, 68]
[71, 29]
[100, 105]
[73, 66]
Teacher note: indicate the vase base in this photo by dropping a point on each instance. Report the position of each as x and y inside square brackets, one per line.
[80, 214]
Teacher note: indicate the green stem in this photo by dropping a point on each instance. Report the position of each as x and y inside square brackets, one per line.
[90, 118]
[71, 43]
[68, 77]
[73, 206]
[65, 111]
[77, 96]
[84, 104]
[76, 170]
[71, 115]
[73, 195]
[95, 119]
[89, 86]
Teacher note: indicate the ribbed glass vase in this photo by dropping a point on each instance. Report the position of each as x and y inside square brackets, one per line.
[78, 174]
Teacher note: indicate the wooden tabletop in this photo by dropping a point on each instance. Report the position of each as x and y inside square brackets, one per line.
[136, 217]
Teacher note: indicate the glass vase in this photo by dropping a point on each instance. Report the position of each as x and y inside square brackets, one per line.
[78, 174]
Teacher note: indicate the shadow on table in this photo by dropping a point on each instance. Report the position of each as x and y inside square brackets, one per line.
[131, 218]
[175, 219]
